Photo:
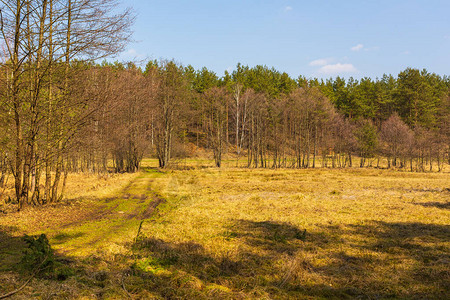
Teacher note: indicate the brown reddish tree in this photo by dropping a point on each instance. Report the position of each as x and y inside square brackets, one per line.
[167, 109]
[396, 139]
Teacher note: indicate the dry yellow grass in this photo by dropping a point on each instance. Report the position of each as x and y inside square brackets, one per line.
[372, 233]
[245, 233]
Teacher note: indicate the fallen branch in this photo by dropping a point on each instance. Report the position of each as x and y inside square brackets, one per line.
[17, 290]
[125, 289]
[37, 270]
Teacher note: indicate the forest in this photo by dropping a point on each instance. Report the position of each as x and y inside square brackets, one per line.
[74, 116]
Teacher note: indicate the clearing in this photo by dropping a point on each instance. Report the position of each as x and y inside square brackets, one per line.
[240, 233]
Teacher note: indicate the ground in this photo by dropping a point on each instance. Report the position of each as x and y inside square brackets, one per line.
[200, 232]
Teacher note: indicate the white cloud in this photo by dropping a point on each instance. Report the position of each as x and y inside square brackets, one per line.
[406, 52]
[288, 8]
[357, 47]
[132, 53]
[319, 62]
[337, 68]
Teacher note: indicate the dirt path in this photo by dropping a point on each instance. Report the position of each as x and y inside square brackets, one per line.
[111, 227]
[91, 226]
[88, 234]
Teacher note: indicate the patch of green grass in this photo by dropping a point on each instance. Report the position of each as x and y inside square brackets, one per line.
[64, 237]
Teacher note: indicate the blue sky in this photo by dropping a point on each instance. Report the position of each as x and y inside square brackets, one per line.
[321, 38]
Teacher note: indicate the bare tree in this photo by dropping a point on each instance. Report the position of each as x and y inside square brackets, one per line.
[397, 138]
[40, 40]
[172, 90]
[216, 103]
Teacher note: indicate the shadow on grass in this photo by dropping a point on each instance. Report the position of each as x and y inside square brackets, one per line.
[63, 237]
[188, 270]
[63, 277]
[152, 170]
[10, 248]
[268, 235]
[260, 269]
[395, 260]
[375, 260]
[440, 205]
[278, 260]
[38, 264]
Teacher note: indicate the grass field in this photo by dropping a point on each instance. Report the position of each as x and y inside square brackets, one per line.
[241, 233]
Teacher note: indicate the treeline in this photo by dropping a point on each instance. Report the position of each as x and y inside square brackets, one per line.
[89, 115]
[261, 116]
